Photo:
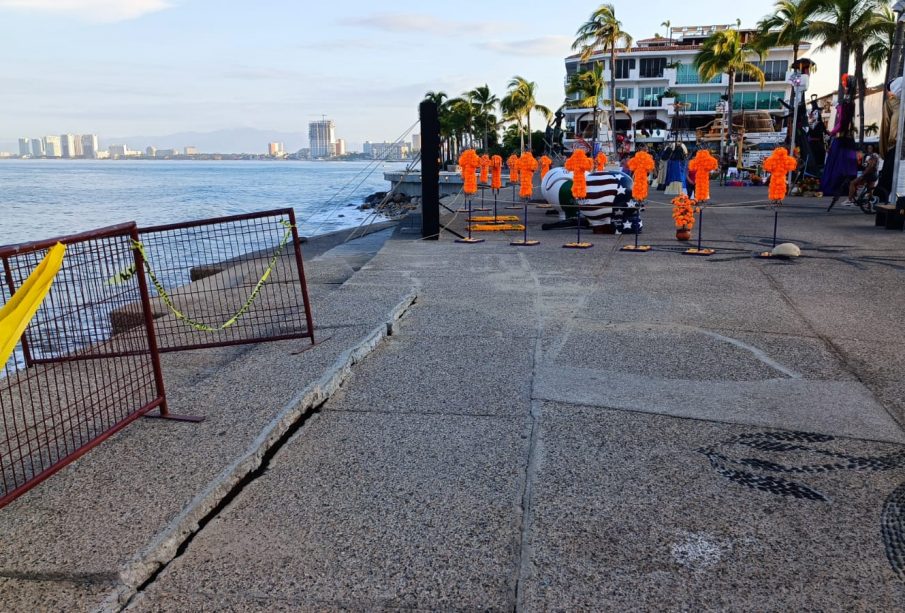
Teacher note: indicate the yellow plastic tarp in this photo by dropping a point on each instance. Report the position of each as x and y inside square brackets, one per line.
[15, 314]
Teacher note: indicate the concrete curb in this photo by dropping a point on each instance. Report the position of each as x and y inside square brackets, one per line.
[165, 547]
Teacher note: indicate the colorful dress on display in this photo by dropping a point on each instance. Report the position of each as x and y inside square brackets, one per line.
[676, 170]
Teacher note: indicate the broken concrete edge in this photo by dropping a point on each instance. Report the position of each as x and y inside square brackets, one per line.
[165, 546]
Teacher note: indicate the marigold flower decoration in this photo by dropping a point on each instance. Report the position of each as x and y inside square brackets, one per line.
[526, 167]
[496, 172]
[545, 163]
[779, 164]
[578, 164]
[701, 167]
[683, 209]
[512, 163]
[601, 161]
[640, 165]
[485, 166]
[469, 161]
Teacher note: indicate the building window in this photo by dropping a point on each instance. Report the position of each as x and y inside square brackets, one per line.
[774, 70]
[691, 100]
[652, 67]
[624, 94]
[623, 68]
[650, 96]
[687, 75]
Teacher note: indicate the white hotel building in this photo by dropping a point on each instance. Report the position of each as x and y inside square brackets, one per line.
[658, 72]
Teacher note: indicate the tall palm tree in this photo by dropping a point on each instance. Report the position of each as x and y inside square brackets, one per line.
[589, 86]
[876, 36]
[724, 52]
[523, 101]
[844, 24]
[443, 116]
[668, 25]
[788, 25]
[602, 32]
[484, 102]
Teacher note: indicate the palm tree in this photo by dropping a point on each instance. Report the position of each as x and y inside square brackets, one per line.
[789, 24]
[844, 24]
[443, 116]
[602, 32]
[484, 103]
[589, 86]
[522, 101]
[724, 52]
[668, 24]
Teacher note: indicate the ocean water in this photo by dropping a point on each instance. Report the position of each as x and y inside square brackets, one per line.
[47, 198]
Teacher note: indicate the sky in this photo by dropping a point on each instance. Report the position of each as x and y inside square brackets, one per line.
[156, 67]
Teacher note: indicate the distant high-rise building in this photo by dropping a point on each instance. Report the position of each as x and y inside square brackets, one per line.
[322, 138]
[150, 151]
[386, 151]
[67, 145]
[119, 151]
[416, 142]
[89, 146]
[53, 147]
[77, 149]
[340, 147]
[190, 150]
[37, 148]
[275, 149]
[24, 147]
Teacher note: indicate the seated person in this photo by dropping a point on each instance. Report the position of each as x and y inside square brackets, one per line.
[870, 175]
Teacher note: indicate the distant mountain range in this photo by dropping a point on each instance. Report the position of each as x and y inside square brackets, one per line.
[232, 140]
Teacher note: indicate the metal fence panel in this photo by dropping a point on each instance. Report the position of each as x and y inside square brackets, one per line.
[227, 281]
[78, 375]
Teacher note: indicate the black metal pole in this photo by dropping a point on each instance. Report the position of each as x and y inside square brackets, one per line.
[700, 226]
[775, 223]
[430, 170]
[578, 225]
[494, 205]
[525, 235]
[469, 219]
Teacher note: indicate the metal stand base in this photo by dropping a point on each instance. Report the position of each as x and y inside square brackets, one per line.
[524, 243]
[192, 419]
[577, 245]
[470, 241]
[696, 251]
[636, 248]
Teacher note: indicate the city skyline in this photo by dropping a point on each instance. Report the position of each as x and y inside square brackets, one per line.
[124, 67]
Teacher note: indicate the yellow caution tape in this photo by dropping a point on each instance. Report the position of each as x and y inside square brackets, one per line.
[197, 325]
[22, 306]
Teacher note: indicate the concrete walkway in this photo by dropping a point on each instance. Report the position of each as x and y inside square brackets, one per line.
[533, 429]
[557, 429]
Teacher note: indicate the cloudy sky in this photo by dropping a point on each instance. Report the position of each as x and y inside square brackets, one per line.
[125, 67]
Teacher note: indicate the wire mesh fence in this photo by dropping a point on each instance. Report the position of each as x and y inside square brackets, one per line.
[75, 378]
[227, 281]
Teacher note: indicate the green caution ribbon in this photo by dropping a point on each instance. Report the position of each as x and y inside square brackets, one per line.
[197, 325]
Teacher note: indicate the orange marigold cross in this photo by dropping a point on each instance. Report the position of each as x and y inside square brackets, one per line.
[526, 167]
[545, 163]
[601, 161]
[512, 163]
[701, 167]
[779, 164]
[485, 166]
[578, 164]
[640, 165]
[469, 161]
[496, 172]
